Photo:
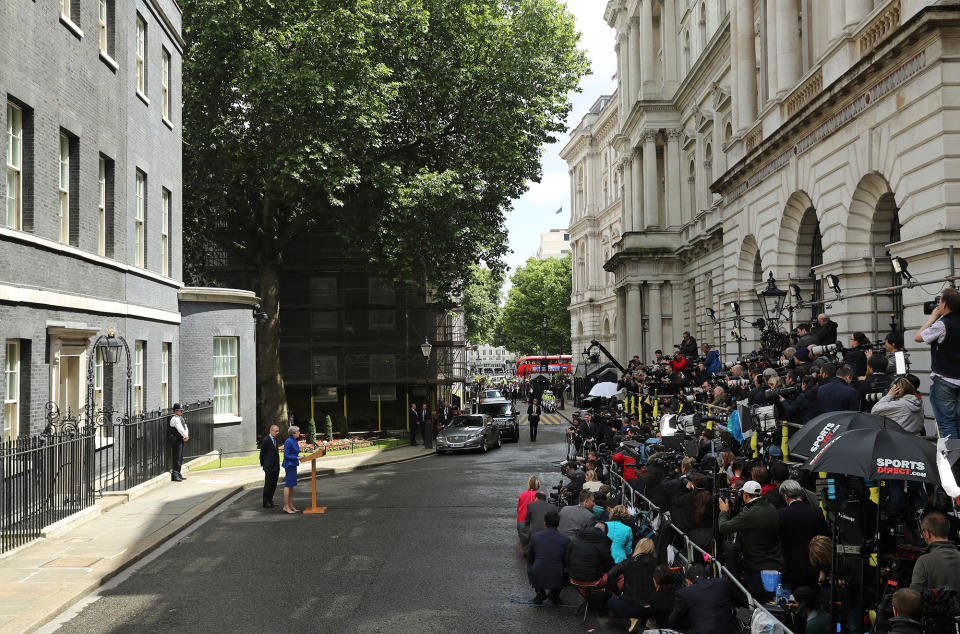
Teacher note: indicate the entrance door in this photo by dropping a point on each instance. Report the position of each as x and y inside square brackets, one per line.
[69, 397]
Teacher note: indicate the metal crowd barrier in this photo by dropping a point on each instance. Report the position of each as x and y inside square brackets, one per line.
[628, 493]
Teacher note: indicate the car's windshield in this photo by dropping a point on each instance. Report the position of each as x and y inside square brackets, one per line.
[466, 421]
[497, 409]
[492, 394]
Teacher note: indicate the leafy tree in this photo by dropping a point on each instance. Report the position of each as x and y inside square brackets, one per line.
[481, 304]
[541, 290]
[406, 126]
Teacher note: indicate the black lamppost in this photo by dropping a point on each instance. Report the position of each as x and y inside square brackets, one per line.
[771, 301]
[111, 349]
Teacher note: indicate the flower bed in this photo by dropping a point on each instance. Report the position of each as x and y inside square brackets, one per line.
[335, 445]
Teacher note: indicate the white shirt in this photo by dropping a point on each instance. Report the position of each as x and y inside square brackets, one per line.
[936, 333]
[176, 421]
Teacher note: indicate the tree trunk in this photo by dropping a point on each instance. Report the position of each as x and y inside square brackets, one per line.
[273, 393]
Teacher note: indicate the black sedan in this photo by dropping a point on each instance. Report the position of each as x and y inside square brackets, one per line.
[468, 433]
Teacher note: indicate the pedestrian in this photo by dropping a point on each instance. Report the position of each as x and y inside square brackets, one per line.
[179, 434]
[291, 460]
[270, 463]
[426, 429]
[414, 418]
[446, 414]
[533, 417]
[545, 558]
[942, 333]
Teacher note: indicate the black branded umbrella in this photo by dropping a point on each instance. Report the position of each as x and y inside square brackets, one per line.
[808, 440]
[878, 454]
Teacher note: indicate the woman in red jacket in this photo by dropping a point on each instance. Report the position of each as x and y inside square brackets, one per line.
[533, 485]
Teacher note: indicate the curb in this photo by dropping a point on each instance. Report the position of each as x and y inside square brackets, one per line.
[151, 542]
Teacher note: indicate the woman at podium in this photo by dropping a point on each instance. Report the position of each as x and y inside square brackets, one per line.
[291, 460]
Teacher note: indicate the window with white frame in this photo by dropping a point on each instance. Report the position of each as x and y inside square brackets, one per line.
[14, 166]
[225, 376]
[165, 84]
[138, 350]
[98, 380]
[102, 208]
[165, 231]
[141, 56]
[139, 246]
[11, 391]
[64, 188]
[165, 375]
[102, 20]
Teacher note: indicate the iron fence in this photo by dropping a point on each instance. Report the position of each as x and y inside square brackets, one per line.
[43, 479]
[50, 476]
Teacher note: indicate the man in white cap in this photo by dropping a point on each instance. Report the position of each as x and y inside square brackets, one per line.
[179, 434]
[758, 525]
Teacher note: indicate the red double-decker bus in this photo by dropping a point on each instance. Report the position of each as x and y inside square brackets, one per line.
[546, 364]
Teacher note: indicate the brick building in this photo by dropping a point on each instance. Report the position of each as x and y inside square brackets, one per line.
[90, 231]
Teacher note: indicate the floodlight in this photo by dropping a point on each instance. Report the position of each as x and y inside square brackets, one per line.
[834, 283]
[900, 267]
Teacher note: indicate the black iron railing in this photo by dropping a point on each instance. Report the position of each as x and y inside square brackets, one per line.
[43, 479]
[50, 476]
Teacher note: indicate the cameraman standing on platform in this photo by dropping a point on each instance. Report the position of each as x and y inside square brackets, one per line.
[942, 333]
[688, 347]
[758, 525]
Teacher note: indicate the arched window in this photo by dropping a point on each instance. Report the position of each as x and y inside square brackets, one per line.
[727, 133]
[692, 186]
[687, 52]
[703, 26]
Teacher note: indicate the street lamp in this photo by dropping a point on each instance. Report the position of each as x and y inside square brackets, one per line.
[425, 348]
[111, 348]
[772, 299]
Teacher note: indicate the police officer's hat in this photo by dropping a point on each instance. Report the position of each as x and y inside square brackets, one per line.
[177, 407]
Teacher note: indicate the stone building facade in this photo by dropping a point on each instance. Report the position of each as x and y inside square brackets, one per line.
[800, 137]
[90, 230]
[595, 225]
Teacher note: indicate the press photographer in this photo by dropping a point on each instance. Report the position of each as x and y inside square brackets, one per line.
[758, 529]
[876, 383]
[688, 346]
[902, 406]
[942, 333]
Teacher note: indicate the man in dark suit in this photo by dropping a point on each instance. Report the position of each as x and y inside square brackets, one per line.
[446, 414]
[426, 426]
[545, 559]
[704, 606]
[533, 417]
[834, 393]
[270, 463]
[799, 523]
[414, 418]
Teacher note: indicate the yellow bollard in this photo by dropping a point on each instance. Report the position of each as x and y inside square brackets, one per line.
[379, 419]
[753, 446]
[784, 441]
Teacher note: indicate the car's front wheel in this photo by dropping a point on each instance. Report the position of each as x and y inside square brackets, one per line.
[483, 445]
[499, 441]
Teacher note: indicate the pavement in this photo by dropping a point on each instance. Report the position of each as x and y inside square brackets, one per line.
[41, 580]
[421, 546]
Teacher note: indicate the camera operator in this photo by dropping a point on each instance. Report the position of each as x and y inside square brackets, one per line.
[805, 337]
[939, 565]
[855, 356]
[577, 477]
[758, 385]
[834, 393]
[711, 358]
[799, 523]
[942, 333]
[825, 330]
[705, 605]
[692, 510]
[688, 346]
[720, 397]
[758, 526]
[801, 409]
[678, 363]
[877, 380]
[902, 406]
[659, 359]
[907, 612]
[634, 364]
[573, 518]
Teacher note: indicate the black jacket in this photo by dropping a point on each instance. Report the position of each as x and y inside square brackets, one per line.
[799, 523]
[826, 334]
[534, 411]
[637, 578]
[759, 528]
[870, 385]
[588, 556]
[269, 455]
[836, 396]
[689, 348]
[545, 555]
[704, 608]
[903, 625]
[856, 359]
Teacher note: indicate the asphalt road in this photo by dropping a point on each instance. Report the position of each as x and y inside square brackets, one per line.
[428, 545]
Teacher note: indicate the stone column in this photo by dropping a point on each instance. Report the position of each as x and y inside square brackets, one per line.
[671, 39]
[633, 63]
[746, 60]
[673, 169]
[788, 45]
[651, 186]
[770, 36]
[626, 205]
[678, 310]
[634, 320]
[648, 54]
[636, 175]
[836, 20]
[656, 318]
[622, 81]
[856, 10]
[621, 329]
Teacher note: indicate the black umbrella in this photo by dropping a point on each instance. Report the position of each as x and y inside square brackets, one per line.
[808, 440]
[878, 454]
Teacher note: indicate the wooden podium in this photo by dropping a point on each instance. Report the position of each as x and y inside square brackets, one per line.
[319, 453]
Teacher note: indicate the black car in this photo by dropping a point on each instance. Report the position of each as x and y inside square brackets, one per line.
[504, 416]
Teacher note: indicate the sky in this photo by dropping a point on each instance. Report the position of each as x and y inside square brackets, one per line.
[535, 211]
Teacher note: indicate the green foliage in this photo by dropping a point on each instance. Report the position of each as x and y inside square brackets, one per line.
[328, 428]
[310, 431]
[541, 289]
[481, 304]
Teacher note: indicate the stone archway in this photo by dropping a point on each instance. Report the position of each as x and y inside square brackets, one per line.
[800, 250]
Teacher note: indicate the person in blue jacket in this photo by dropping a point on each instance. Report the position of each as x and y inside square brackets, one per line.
[620, 534]
[291, 460]
[711, 359]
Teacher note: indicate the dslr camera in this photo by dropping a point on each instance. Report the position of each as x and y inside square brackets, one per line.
[929, 307]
